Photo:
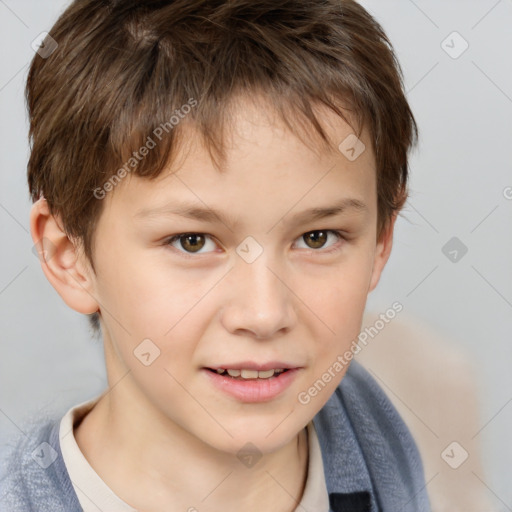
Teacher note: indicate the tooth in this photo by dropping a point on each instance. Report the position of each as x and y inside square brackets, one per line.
[265, 374]
[249, 374]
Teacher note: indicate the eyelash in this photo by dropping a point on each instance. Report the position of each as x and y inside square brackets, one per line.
[334, 248]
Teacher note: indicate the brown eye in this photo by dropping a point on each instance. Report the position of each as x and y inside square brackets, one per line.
[315, 239]
[190, 242]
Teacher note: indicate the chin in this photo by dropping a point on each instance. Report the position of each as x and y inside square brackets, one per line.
[263, 438]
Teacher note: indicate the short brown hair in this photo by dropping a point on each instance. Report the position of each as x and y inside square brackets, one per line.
[122, 68]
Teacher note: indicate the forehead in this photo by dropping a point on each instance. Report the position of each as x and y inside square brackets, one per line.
[266, 165]
[254, 122]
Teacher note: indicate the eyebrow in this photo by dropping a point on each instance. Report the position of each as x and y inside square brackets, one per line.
[197, 212]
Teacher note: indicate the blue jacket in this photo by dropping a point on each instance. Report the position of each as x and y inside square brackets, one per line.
[371, 461]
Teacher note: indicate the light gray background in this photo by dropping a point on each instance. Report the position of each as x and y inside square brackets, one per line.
[459, 174]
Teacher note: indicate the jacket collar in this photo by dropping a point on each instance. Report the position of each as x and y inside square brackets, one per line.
[370, 457]
[346, 474]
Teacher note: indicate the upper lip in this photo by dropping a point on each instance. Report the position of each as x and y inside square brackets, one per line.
[251, 365]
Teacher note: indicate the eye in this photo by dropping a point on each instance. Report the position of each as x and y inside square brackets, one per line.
[192, 243]
[317, 239]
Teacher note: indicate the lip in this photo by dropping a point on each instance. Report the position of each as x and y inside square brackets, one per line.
[252, 365]
[252, 390]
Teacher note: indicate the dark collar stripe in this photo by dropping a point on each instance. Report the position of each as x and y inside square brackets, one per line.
[350, 502]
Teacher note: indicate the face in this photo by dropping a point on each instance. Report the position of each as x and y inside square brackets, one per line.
[267, 284]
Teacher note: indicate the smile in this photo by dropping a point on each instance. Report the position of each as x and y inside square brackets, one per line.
[250, 374]
[251, 386]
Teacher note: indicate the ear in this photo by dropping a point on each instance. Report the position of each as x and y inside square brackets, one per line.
[63, 266]
[382, 252]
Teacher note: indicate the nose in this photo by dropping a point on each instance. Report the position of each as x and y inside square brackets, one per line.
[260, 303]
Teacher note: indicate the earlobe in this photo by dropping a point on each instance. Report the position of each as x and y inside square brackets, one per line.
[382, 253]
[60, 260]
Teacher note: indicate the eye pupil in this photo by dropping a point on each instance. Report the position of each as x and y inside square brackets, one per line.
[318, 241]
[194, 237]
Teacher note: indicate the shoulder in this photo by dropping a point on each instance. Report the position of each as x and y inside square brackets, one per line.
[360, 423]
[32, 472]
[375, 418]
[20, 476]
[360, 387]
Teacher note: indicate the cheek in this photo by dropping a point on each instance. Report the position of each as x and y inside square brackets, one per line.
[153, 324]
[341, 309]
[341, 297]
[339, 306]
[150, 299]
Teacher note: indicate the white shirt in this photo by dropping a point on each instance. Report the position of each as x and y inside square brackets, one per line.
[95, 496]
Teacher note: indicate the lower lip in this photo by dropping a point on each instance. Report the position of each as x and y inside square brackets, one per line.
[253, 390]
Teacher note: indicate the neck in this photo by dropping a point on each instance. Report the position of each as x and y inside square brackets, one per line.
[153, 464]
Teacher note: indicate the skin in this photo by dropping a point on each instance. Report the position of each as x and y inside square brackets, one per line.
[161, 437]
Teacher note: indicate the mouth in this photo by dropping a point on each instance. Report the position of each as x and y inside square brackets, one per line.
[251, 385]
[247, 374]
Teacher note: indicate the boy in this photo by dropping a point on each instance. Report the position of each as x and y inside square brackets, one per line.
[217, 183]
